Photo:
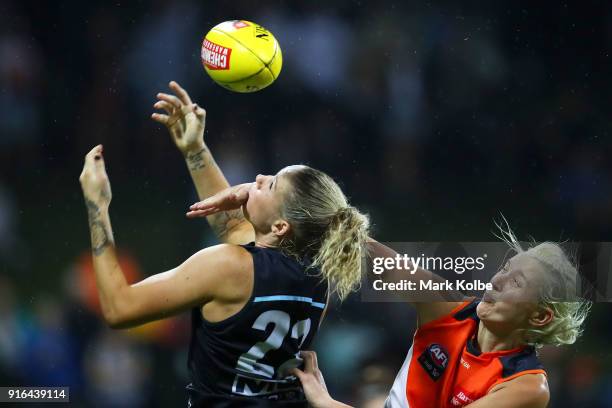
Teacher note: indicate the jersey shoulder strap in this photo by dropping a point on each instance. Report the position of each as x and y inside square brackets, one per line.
[525, 360]
[278, 275]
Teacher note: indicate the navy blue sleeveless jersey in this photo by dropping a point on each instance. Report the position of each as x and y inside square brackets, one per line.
[243, 361]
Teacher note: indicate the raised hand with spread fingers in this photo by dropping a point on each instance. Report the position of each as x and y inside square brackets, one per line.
[186, 122]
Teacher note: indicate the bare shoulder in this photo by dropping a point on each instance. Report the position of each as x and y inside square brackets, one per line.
[530, 390]
[227, 252]
[227, 268]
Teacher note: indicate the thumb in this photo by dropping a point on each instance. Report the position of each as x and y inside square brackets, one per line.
[199, 112]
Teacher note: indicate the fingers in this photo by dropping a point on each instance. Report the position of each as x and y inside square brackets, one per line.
[204, 208]
[161, 118]
[94, 163]
[168, 107]
[200, 205]
[203, 213]
[180, 92]
[94, 157]
[214, 201]
[93, 152]
[298, 373]
[242, 195]
[171, 99]
[310, 361]
[210, 202]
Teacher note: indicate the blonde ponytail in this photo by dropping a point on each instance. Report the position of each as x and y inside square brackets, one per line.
[324, 228]
[342, 248]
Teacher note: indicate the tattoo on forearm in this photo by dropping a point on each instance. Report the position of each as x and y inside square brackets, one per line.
[100, 236]
[224, 222]
[197, 160]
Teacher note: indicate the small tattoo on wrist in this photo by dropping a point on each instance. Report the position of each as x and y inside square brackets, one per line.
[197, 160]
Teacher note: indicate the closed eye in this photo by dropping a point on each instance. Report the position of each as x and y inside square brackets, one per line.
[272, 182]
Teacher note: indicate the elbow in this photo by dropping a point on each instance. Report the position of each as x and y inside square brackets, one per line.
[114, 324]
[113, 320]
[115, 315]
[118, 323]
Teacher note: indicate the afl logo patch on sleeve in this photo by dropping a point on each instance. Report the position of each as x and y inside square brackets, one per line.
[434, 360]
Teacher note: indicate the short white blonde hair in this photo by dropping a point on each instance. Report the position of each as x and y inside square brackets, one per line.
[561, 295]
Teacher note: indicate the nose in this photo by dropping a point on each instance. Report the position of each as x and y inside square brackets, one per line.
[259, 180]
[498, 281]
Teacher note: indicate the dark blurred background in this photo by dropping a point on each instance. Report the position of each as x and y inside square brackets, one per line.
[433, 117]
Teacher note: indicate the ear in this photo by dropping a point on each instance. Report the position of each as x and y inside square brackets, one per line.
[541, 317]
[280, 228]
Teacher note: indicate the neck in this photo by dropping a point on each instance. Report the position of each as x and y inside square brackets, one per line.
[268, 240]
[489, 341]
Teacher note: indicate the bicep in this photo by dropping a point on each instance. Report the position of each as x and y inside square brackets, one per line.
[430, 305]
[196, 281]
[526, 391]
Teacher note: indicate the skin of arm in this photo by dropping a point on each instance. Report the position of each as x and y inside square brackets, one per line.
[186, 121]
[229, 226]
[194, 282]
[426, 311]
[526, 391]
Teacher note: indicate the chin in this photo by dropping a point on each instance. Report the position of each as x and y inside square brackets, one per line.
[247, 210]
[484, 309]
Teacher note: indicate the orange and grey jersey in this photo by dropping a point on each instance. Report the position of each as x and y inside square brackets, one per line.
[445, 368]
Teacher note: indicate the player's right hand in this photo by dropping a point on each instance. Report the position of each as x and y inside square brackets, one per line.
[313, 382]
[94, 180]
[229, 199]
[184, 119]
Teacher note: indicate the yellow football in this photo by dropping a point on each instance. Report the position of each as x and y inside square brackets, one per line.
[241, 56]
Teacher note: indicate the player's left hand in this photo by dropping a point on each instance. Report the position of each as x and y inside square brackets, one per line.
[231, 198]
[94, 180]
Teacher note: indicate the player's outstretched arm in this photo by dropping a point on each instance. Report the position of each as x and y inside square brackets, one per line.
[223, 273]
[186, 121]
[437, 305]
